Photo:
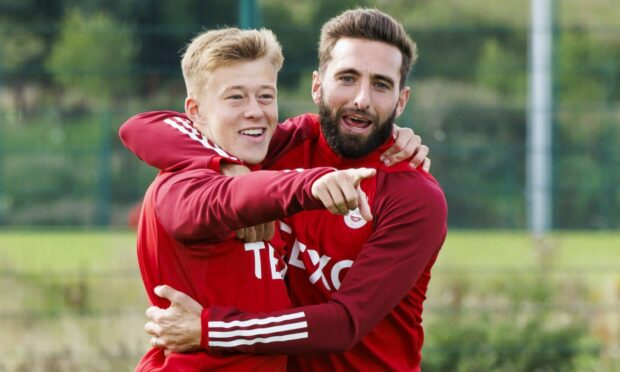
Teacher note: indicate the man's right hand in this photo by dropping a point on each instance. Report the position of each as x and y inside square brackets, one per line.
[178, 328]
[340, 192]
[407, 145]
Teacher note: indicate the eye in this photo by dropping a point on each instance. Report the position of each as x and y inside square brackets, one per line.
[382, 85]
[235, 97]
[266, 98]
[347, 79]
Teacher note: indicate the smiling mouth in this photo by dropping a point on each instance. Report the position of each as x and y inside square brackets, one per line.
[254, 132]
[356, 121]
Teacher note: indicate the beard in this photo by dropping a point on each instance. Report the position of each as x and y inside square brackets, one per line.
[350, 145]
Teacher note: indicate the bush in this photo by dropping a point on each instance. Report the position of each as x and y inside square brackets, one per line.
[515, 329]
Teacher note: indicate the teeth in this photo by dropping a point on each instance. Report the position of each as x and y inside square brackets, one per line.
[359, 120]
[252, 132]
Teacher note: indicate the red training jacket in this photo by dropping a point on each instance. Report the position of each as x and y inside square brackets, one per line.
[185, 240]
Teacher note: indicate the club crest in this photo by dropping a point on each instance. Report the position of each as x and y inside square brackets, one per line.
[354, 219]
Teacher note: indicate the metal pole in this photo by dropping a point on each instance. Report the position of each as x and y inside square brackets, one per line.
[540, 118]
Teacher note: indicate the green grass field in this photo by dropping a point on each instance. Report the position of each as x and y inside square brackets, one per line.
[518, 249]
[35, 251]
[75, 298]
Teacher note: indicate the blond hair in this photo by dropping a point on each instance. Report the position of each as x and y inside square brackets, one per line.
[216, 48]
[370, 24]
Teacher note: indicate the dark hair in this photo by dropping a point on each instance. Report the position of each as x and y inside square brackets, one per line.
[370, 24]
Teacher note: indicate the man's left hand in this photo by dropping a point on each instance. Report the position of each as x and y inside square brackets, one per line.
[177, 328]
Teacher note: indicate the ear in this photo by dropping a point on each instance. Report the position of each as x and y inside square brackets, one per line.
[192, 110]
[316, 87]
[403, 97]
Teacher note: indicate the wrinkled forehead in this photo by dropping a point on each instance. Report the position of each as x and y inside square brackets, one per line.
[366, 56]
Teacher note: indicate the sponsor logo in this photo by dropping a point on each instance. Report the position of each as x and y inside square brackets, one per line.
[320, 270]
[274, 261]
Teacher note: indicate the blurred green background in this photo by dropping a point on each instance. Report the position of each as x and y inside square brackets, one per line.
[72, 71]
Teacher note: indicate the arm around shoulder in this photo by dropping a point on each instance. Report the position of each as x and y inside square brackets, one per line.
[410, 230]
[168, 141]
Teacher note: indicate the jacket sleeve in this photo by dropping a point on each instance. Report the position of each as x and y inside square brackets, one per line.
[168, 141]
[202, 205]
[410, 230]
[288, 135]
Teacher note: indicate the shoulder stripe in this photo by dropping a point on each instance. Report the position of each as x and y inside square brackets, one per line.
[184, 126]
[268, 340]
[256, 321]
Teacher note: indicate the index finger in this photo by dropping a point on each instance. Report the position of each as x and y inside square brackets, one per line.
[152, 312]
[169, 293]
[359, 174]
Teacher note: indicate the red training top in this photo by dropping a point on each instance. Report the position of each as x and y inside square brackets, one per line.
[185, 240]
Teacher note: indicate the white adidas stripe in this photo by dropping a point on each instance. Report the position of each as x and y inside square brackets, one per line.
[258, 331]
[268, 340]
[259, 321]
[184, 127]
[286, 228]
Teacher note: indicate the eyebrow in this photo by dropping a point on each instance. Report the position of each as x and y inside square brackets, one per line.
[242, 87]
[353, 71]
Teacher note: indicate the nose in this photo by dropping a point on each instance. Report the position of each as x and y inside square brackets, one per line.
[362, 99]
[253, 109]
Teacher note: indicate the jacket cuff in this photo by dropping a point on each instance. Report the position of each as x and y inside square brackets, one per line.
[204, 322]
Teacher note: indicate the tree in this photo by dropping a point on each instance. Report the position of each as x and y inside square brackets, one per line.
[18, 49]
[93, 55]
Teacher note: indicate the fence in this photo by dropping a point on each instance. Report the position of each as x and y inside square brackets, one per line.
[61, 162]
